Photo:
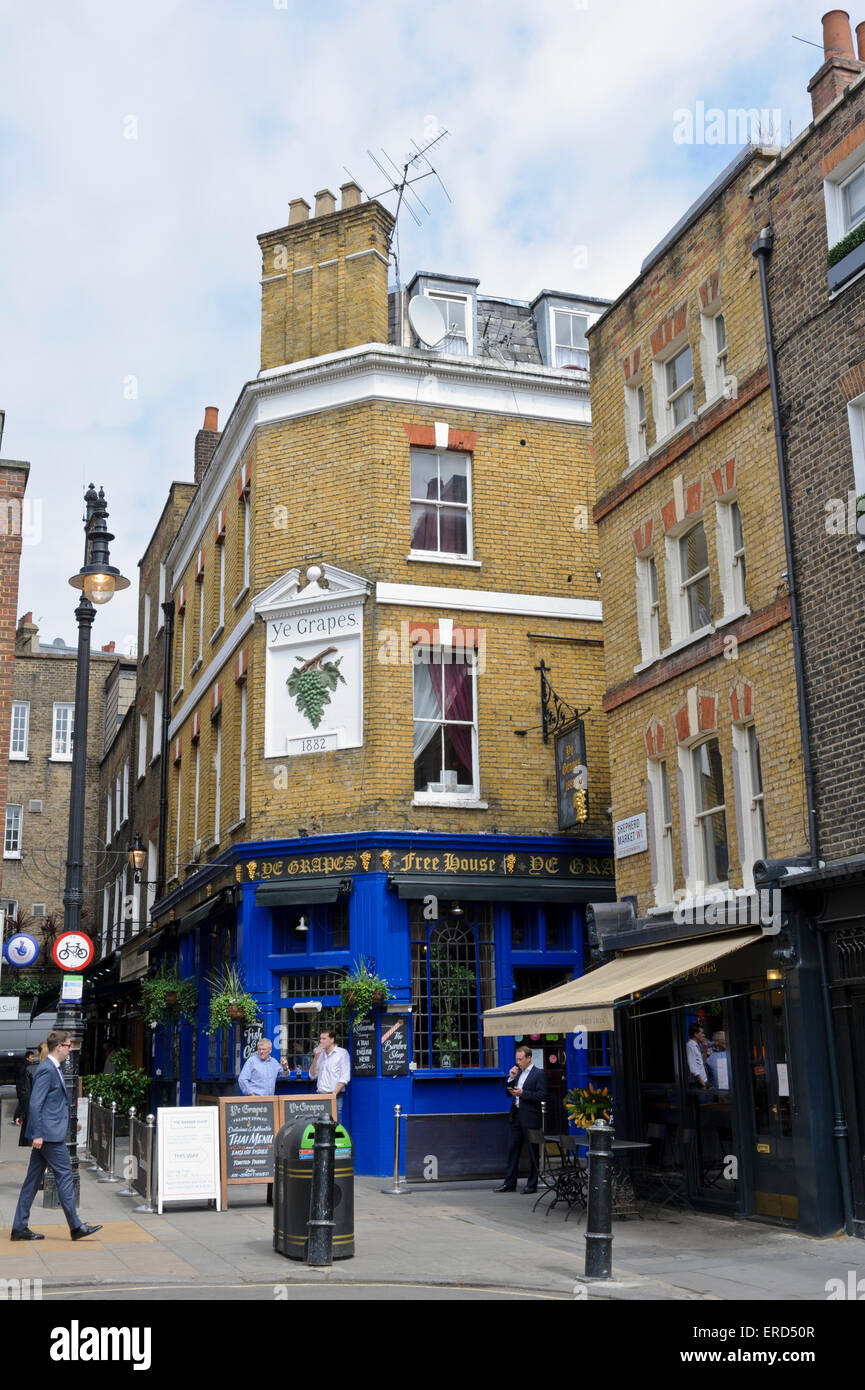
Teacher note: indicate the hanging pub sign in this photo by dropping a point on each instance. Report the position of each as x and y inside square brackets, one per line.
[572, 787]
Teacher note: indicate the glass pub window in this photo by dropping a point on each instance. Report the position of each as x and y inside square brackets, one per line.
[453, 981]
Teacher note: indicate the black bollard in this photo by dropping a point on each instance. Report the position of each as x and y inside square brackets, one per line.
[599, 1218]
[319, 1250]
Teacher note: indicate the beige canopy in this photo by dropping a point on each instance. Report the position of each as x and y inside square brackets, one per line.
[588, 1002]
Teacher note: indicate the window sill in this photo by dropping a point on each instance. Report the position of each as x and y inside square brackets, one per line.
[634, 464]
[710, 402]
[155, 758]
[688, 641]
[144, 655]
[18, 758]
[177, 694]
[197, 666]
[237, 824]
[65, 758]
[454, 800]
[644, 665]
[141, 777]
[430, 557]
[209, 849]
[662, 443]
[241, 596]
[215, 636]
[12, 854]
[742, 612]
[843, 272]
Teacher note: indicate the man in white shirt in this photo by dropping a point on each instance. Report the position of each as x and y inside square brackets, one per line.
[696, 1057]
[331, 1069]
[718, 1063]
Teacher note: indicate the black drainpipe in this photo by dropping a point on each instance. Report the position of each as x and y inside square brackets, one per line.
[168, 610]
[762, 249]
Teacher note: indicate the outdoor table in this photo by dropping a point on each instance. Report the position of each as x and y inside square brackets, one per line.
[624, 1197]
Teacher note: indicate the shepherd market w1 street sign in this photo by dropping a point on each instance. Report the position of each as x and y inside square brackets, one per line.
[630, 835]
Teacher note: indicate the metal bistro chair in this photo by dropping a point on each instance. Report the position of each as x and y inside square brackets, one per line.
[561, 1170]
[661, 1184]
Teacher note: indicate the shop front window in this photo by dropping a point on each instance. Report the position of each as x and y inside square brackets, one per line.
[453, 981]
[299, 1032]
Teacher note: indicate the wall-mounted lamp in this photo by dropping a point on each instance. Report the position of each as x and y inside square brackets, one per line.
[457, 911]
[302, 925]
[774, 975]
[137, 857]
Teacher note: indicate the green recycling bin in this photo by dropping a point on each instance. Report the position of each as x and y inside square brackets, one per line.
[292, 1190]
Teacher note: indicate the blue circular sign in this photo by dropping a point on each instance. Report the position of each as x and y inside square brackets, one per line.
[21, 949]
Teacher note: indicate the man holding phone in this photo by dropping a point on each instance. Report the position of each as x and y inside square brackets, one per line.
[330, 1068]
[527, 1087]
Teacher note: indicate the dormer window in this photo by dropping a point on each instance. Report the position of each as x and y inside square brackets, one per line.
[570, 346]
[454, 310]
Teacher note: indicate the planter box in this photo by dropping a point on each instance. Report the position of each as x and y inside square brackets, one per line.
[845, 269]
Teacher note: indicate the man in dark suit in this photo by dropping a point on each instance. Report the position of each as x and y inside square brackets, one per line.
[527, 1087]
[47, 1125]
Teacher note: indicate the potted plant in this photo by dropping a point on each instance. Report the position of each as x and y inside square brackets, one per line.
[585, 1104]
[166, 993]
[361, 992]
[453, 983]
[229, 1001]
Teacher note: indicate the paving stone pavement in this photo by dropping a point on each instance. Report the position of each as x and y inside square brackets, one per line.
[442, 1235]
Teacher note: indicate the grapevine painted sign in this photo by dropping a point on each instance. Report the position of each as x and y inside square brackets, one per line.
[314, 662]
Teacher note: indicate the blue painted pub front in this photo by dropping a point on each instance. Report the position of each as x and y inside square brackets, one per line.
[455, 924]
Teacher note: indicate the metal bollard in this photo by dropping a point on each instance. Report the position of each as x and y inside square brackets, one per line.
[400, 1187]
[319, 1249]
[129, 1191]
[112, 1145]
[147, 1204]
[599, 1218]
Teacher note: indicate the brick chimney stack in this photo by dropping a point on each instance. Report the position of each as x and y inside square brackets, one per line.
[206, 441]
[841, 64]
[324, 278]
[27, 636]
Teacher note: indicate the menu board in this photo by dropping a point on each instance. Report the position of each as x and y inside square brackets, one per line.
[247, 1125]
[188, 1148]
[394, 1045]
[313, 1104]
[363, 1062]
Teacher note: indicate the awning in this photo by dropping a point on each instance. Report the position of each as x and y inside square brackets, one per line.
[589, 1002]
[150, 939]
[516, 888]
[310, 890]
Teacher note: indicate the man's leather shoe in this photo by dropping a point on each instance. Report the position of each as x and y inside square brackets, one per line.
[81, 1231]
[504, 1189]
[529, 1191]
[26, 1234]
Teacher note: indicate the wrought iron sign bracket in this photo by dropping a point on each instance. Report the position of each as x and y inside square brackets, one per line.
[556, 714]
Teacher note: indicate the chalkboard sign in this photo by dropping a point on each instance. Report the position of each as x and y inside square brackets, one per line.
[247, 1125]
[313, 1104]
[394, 1045]
[363, 1062]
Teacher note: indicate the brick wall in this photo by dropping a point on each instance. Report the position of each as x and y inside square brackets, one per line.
[13, 481]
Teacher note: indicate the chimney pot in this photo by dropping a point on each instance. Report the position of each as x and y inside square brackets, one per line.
[860, 41]
[351, 194]
[837, 38]
[325, 202]
[298, 211]
[109, 647]
[26, 621]
[211, 417]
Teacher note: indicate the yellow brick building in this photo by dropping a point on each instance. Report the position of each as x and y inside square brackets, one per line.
[386, 606]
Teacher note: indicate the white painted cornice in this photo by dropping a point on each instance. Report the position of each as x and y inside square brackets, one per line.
[489, 601]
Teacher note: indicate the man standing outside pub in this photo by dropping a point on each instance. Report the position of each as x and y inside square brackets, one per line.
[527, 1087]
[331, 1069]
[47, 1126]
[260, 1072]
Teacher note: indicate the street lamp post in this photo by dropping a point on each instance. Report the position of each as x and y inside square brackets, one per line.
[98, 581]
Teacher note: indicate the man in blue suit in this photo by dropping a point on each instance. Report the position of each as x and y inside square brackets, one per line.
[527, 1087]
[47, 1125]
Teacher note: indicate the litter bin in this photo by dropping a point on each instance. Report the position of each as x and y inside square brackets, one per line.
[292, 1190]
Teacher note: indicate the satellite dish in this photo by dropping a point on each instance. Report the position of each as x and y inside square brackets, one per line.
[426, 320]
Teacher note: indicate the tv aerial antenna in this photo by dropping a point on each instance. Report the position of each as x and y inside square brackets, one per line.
[401, 180]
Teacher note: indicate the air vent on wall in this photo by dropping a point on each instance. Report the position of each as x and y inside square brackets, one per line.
[35, 808]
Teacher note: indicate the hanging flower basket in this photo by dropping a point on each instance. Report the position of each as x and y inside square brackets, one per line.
[236, 1013]
[361, 992]
[171, 999]
[229, 1000]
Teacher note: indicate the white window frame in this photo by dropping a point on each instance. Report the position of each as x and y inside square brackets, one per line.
[732, 566]
[217, 778]
[697, 881]
[115, 924]
[247, 526]
[856, 421]
[145, 645]
[636, 424]
[106, 915]
[241, 809]
[200, 656]
[136, 908]
[221, 619]
[62, 745]
[142, 745]
[125, 794]
[118, 802]
[464, 795]
[14, 823]
[661, 823]
[160, 616]
[750, 802]
[182, 640]
[662, 402]
[648, 609]
[20, 754]
[151, 876]
[712, 359]
[179, 809]
[195, 834]
[837, 222]
[466, 506]
[554, 346]
[156, 746]
[108, 830]
[451, 341]
[678, 584]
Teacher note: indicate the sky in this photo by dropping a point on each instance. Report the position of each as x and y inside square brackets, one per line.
[143, 146]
